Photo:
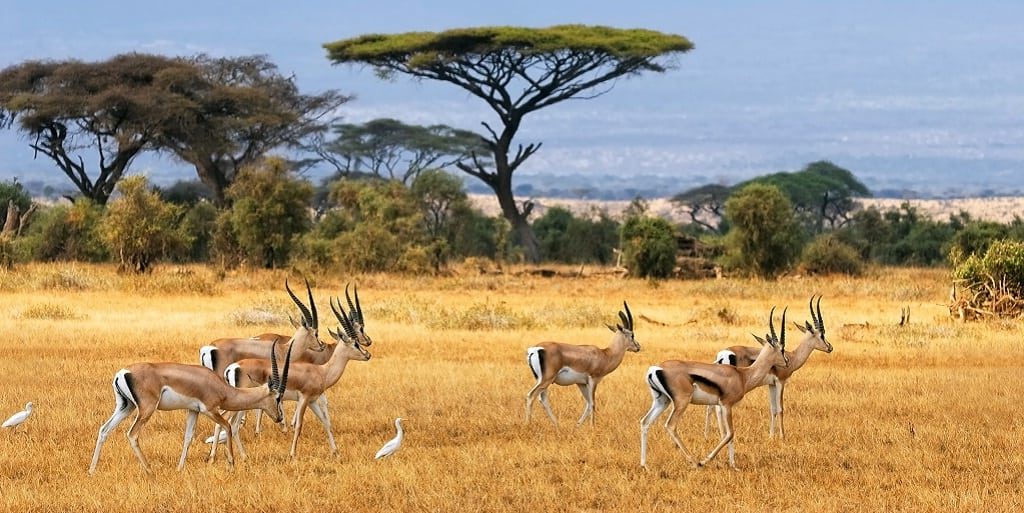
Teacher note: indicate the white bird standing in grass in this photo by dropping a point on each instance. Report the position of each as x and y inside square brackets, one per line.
[393, 444]
[18, 418]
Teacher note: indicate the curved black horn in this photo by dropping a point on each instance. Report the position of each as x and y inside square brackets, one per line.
[628, 314]
[624, 319]
[274, 376]
[312, 305]
[307, 318]
[771, 326]
[782, 337]
[359, 307]
[810, 305]
[287, 363]
[343, 319]
[821, 321]
[352, 309]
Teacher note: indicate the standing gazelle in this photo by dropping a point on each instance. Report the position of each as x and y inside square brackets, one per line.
[308, 381]
[744, 356]
[681, 383]
[148, 387]
[220, 353]
[583, 366]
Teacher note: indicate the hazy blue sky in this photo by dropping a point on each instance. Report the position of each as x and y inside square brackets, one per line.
[923, 94]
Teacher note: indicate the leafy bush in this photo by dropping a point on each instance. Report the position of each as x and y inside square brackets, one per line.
[569, 239]
[765, 237]
[975, 239]
[649, 246]
[993, 283]
[829, 255]
[66, 233]
[140, 228]
[270, 210]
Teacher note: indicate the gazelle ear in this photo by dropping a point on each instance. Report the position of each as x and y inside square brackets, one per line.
[760, 340]
[801, 328]
[610, 328]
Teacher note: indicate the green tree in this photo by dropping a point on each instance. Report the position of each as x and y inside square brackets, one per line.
[394, 150]
[820, 193]
[112, 109]
[232, 111]
[67, 233]
[705, 205]
[764, 238]
[567, 238]
[270, 209]
[141, 228]
[515, 71]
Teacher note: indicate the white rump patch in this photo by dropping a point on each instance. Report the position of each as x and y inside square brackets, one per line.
[533, 360]
[725, 357]
[206, 356]
[231, 374]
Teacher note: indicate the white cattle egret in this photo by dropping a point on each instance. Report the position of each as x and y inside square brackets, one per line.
[393, 444]
[18, 418]
[222, 439]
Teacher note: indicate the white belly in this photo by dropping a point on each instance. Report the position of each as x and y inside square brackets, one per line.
[567, 376]
[172, 400]
[701, 396]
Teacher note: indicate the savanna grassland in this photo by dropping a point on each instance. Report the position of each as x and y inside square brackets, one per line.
[924, 417]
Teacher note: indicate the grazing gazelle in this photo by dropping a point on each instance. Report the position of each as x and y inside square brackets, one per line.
[583, 366]
[308, 381]
[681, 383]
[148, 387]
[744, 356]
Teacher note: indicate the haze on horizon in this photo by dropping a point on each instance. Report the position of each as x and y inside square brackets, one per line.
[908, 95]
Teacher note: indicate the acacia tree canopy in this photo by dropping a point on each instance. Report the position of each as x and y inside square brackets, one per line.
[112, 109]
[515, 71]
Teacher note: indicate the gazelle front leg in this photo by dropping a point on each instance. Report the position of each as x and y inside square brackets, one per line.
[300, 410]
[322, 415]
[670, 427]
[780, 410]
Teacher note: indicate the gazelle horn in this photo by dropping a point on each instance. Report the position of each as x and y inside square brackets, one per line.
[307, 318]
[284, 379]
[312, 304]
[629, 315]
[771, 327]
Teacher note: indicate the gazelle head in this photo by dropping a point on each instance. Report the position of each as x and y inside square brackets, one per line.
[817, 330]
[625, 329]
[355, 312]
[276, 385]
[307, 331]
[347, 336]
[776, 342]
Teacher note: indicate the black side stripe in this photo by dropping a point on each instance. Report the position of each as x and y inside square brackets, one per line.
[711, 385]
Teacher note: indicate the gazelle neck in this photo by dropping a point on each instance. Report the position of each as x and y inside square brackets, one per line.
[799, 357]
[245, 398]
[616, 351]
[755, 374]
[335, 367]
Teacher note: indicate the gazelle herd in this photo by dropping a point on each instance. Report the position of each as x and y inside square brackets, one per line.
[240, 374]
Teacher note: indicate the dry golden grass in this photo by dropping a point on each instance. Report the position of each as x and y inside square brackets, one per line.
[923, 418]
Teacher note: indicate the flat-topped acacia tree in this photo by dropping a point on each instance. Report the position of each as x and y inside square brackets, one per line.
[516, 71]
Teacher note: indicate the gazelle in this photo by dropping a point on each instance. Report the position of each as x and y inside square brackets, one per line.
[583, 366]
[355, 316]
[148, 387]
[744, 356]
[308, 381]
[223, 352]
[681, 383]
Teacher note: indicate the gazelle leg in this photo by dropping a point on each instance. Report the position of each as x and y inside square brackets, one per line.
[773, 407]
[781, 410]
[133, 434]
[321, 414]
[123, 410]
[259, 421]
[588, 397]
[726, 438]
[225, 425]
[721, 429]
[707, 420]
[658, 405]
[236, 431]
[547, 406]
[670, 426]
[190, 427]
[531, 395]
[299, 411]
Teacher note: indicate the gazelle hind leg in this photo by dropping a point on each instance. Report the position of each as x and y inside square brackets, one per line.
[225, 425]
[123, 409]
[133, 434]
[773, 408]
[547, 406]
[670, 427]
[781, 410]
[726, 438]
[658, 405]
